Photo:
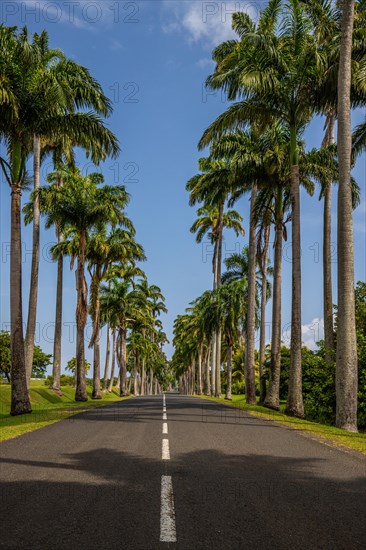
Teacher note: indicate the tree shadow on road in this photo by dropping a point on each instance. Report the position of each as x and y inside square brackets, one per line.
[108, 498]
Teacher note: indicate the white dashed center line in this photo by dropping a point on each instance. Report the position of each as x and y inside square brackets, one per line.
[165, 452]
[165, 428]
[167, 515]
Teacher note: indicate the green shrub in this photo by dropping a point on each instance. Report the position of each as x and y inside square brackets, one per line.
[238, 388]
[65, 380]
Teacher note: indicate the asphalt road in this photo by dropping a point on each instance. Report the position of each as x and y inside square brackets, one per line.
[216, 479]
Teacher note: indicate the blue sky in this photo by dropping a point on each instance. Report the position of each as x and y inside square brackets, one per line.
[152, 59]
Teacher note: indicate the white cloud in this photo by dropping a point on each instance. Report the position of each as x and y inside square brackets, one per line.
[312, 333]
[207, 22]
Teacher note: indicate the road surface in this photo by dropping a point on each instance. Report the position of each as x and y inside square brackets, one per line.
[179, 473]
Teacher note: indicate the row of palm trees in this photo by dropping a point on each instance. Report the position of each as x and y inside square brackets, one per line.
[282, 70]
[49, 105]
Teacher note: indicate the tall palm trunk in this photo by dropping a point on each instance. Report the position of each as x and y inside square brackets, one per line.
[33, 290]
[96, 369]
[199, 368]
[262, 344]
[214, 336]
[123, 371]
[113, 365]
[107, 357]
[218, 284]
[272, 400]
[20, 403]
[207, 385]
[327, 256]
[151, 381]
[81, 316]
[346, 370]
[135, 374]
[143, 377]
[193, 377]
[118, 383]
[295, 406]
[56, 367]
[250, 333]
[213, 366]
[229, 358]
[143, 373]
[95, 339]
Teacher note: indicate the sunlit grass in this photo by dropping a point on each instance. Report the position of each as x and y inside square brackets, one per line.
[330, 433]
[47, 408]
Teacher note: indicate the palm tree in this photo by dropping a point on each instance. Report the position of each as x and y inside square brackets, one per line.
[212, 187]
[212, 220]
[79, 207]
[346, 366]
[14, 60]
[243, 148]
[185, 352]
[273, 202]
[103, 250]
[118, 304]
[51, 90]
[326, 18]
[274, 70]
[262, 255]
[231, 304]
[37, 103]
[237, 271]
[153, 300]
[202, 334]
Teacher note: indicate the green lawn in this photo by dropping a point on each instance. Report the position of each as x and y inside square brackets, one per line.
[47, 408]
[330, 434]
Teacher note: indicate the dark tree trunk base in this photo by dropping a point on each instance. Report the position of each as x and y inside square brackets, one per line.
[269, 406]
[294, 412]
[348, 428]
[96, 396]
[81, 397]
[20, 408]
[57, 391]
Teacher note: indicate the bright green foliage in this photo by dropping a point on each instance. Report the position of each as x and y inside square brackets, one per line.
[71, 365]
[5, 356]
[40, 359]
[361, 349]
[319, 377]
[65, 380]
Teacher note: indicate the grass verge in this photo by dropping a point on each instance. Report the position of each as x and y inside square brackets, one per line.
[47, 408]
[328, 434]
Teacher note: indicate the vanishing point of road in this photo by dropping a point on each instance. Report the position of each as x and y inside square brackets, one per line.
[180, 473]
